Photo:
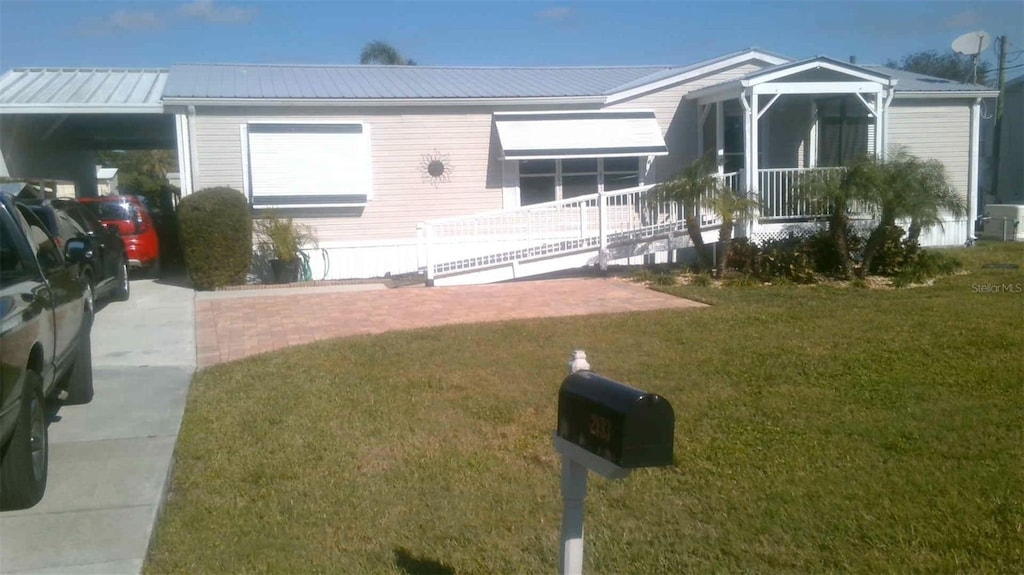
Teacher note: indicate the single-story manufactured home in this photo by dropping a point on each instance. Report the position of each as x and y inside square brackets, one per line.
[502, 172]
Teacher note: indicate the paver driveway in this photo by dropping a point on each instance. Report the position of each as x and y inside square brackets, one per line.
[230, 328]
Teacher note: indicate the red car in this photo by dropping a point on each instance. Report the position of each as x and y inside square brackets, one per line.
[134, 224]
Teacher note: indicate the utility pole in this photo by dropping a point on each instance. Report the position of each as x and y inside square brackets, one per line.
[997, 132]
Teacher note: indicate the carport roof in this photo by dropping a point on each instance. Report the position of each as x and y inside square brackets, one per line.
[82, 91]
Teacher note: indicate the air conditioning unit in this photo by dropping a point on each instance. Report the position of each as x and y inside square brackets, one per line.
[1004, 222]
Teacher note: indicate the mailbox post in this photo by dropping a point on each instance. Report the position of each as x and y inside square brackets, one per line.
[609, 428]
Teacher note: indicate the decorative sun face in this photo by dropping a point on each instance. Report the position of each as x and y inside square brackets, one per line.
[436, 168]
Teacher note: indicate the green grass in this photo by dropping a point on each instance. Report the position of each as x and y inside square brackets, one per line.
[819, 429]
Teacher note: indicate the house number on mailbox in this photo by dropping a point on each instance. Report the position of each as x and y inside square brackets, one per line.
[601, 427]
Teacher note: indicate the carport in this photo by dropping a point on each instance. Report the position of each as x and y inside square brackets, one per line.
[53, 120]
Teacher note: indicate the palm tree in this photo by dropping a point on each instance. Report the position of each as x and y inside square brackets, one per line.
[730, 206]
[689, 188]
[380, 52]
[903, 186]
[836, 193]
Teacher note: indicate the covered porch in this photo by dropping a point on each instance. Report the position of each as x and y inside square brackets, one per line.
[769, 129]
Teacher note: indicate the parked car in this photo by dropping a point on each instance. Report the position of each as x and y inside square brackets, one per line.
[45, 344]
[106, 268]
[135, 225]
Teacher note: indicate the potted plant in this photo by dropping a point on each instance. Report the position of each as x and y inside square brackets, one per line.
[282, 238]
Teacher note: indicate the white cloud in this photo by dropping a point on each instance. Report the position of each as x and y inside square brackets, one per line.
[121, 21]
[206, 11]
[967, 19]
[555, 13]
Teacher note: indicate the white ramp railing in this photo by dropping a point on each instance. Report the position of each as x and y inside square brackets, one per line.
[590, 222]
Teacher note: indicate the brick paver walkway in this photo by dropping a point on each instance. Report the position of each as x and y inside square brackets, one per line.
[230, 329]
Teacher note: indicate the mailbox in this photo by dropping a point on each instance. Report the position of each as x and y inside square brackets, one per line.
[626, 426]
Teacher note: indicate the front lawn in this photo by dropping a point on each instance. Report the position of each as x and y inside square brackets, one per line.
[819, 429]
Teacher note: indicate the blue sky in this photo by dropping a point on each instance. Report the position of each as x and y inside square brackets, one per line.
[483, 32]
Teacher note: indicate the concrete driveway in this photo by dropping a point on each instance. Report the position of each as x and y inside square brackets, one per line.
[110, 459]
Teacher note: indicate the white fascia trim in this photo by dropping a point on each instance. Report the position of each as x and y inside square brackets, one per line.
[79, 109]
[818, 88]
[308, 102]
[730, 91]
[814, 65]
[683, 76]
[923, 95]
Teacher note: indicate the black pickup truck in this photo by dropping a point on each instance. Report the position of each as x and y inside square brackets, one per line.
[45, 352]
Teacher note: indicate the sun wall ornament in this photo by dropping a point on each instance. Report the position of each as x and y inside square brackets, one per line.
[436, 168]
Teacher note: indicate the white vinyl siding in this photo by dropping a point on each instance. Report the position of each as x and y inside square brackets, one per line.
[401, 145]
[935, 129]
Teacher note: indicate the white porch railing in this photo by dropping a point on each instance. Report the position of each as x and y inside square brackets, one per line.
[590, 222]
[779, 195]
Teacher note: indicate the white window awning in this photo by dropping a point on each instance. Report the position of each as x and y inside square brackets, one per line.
[592, 134]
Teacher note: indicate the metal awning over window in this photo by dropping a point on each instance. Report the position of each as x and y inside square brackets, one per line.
[594, 134]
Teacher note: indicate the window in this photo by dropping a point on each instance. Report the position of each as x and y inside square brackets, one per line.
[84, 218]
[307, 165]
[550, 180]
[537, 181]
[10, 261]
[43, 245]
[579, 177]
[621, 173]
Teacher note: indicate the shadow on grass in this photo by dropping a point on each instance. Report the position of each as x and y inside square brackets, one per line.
[413, 565]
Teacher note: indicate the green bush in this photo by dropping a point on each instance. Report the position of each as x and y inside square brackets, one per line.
[216, 237]
[744, 280]
[665, 279]
[925, 265]
[821, 248]
[894, 254]
[742, 256]
[703, 279]
[787, 259]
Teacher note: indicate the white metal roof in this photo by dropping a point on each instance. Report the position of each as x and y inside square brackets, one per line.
[282, 82]
[82, 90]
[541, 135]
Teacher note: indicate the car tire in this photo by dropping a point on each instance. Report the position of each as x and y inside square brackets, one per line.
[124, 289]
[24, 464]
[154, 269]
[78, 381]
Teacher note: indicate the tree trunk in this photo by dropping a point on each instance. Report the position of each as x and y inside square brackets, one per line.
[914, 231]
[838, 227]
[886, 221]
[693, 230]
[725, 240]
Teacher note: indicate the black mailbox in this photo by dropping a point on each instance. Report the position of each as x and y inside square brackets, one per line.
[619, 423]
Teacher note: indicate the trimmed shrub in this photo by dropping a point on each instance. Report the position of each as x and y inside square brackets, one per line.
[821, 248]
[215, 226]
[742, 256]
[893, 253]
[925, 265]
[787, 259]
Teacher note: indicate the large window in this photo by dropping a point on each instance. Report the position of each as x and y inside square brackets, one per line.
[550, 180]
[308, 165]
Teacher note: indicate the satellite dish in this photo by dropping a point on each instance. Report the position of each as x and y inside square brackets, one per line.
[972, 43]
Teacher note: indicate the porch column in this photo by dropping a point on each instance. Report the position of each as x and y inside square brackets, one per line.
[972, 177]
[812, 145]
[751, 181]
[879, 112]
[720, 136]
[702, 115]
[184, 140]
[755, 115]
[748, 121]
